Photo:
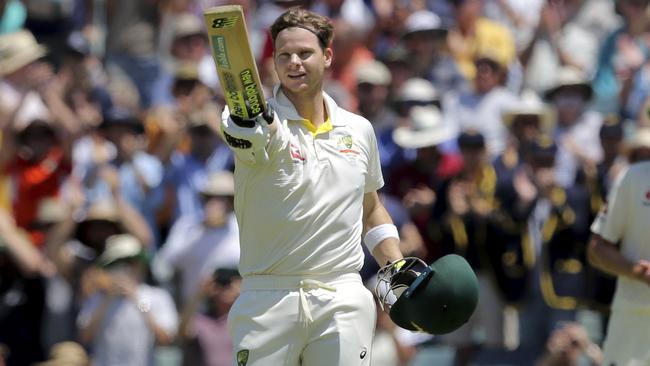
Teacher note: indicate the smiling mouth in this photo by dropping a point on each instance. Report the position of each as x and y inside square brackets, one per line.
[296, 76]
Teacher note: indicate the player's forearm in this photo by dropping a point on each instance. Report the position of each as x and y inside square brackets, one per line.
[387, 251]
[375, 215]
[605, 256]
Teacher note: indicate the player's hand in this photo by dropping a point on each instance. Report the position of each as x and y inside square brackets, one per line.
[641, 270]
[249, 137]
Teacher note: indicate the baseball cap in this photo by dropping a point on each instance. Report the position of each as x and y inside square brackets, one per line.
[423, 21]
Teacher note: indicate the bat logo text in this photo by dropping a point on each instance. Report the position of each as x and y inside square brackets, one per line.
[223, 22]
[251, 92]
[221, 52]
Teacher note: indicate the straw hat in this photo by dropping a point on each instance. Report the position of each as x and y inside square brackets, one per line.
[530, 105]
[102, 210]
[417, 90]
[570, 77]
[187, 24]
[51, 210]
[373, 72]
[426, 129]
[640, 139]
[122, 246]
[66, 354]
[220, 183]
[18, 49]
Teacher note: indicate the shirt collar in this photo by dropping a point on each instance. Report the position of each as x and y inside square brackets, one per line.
[286, 108]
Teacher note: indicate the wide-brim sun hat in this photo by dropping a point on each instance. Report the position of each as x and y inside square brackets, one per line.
[417, 90]
[640, 139]
[221, 183]
[426, 129]
[570, 78]
[18, 49]
[121, 247]
[373, 72]
[530, 105]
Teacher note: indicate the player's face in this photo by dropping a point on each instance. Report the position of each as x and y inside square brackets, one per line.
[300, 61]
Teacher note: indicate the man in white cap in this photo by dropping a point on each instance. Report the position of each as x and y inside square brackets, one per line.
[124, 320]
[425, 39]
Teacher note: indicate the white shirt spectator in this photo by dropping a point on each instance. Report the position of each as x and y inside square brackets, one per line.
[124, 338]
[196, 250]
[482, 112]
[581, 139]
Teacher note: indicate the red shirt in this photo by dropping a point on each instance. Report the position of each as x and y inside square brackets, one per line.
[34, 182]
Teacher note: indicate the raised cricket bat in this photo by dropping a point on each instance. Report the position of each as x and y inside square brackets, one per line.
[234, 60]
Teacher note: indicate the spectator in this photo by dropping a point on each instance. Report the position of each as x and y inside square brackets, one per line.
[622, 55]
[22, 293]
[131, 29]
[373, 81]
[197, 245]
[414, 182]
[124, 321]
[461, 217]
[554, 246]
[576, 130]
[525, 121]
[567, 344]
[474, 33]
[189, 45]
[425, 39]
[187, 171]
[138, 174]
[560, 40]
[67, 353]
[488, 99]
[205, 332]
[12, 16]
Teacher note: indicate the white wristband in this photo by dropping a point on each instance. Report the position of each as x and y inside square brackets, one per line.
[378, 234]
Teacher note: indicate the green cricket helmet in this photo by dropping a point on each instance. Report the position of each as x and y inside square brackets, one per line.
[436, 299]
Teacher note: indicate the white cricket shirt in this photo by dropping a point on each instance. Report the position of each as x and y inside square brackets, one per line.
[300, 213]
[626, 218]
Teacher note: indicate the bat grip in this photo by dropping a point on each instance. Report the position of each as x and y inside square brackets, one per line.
[267, 114]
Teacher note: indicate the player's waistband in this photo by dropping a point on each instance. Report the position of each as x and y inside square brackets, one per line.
[276, 282]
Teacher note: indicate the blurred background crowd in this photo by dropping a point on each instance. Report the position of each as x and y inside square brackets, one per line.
[501, 126]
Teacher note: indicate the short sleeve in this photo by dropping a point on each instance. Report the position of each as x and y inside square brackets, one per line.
[612, 218]
[374, 179]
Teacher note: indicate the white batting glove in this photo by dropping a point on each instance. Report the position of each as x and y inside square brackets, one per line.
[249, 143]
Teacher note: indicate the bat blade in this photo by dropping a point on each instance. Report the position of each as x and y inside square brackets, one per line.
[233, 58]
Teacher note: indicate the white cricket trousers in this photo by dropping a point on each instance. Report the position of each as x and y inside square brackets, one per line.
[309, 321]
[628, 338]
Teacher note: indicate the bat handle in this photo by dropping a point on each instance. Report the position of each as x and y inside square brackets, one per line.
[267, 114]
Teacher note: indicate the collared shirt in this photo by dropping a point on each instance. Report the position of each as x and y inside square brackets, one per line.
[625, 218]
[301, 211]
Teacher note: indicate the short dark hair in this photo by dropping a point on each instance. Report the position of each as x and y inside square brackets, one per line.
[296, 17]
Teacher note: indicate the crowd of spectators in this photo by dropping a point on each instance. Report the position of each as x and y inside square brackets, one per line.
[501, 126]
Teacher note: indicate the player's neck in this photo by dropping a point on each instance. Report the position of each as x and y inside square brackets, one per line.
[310, 106]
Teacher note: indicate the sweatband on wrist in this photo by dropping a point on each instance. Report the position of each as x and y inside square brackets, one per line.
[378, 234]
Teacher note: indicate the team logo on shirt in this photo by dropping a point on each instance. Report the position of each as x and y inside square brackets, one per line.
[345, 145]
[296, 154]
[242, 357]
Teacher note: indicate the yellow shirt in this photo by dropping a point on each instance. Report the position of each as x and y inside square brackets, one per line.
[490, 39]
